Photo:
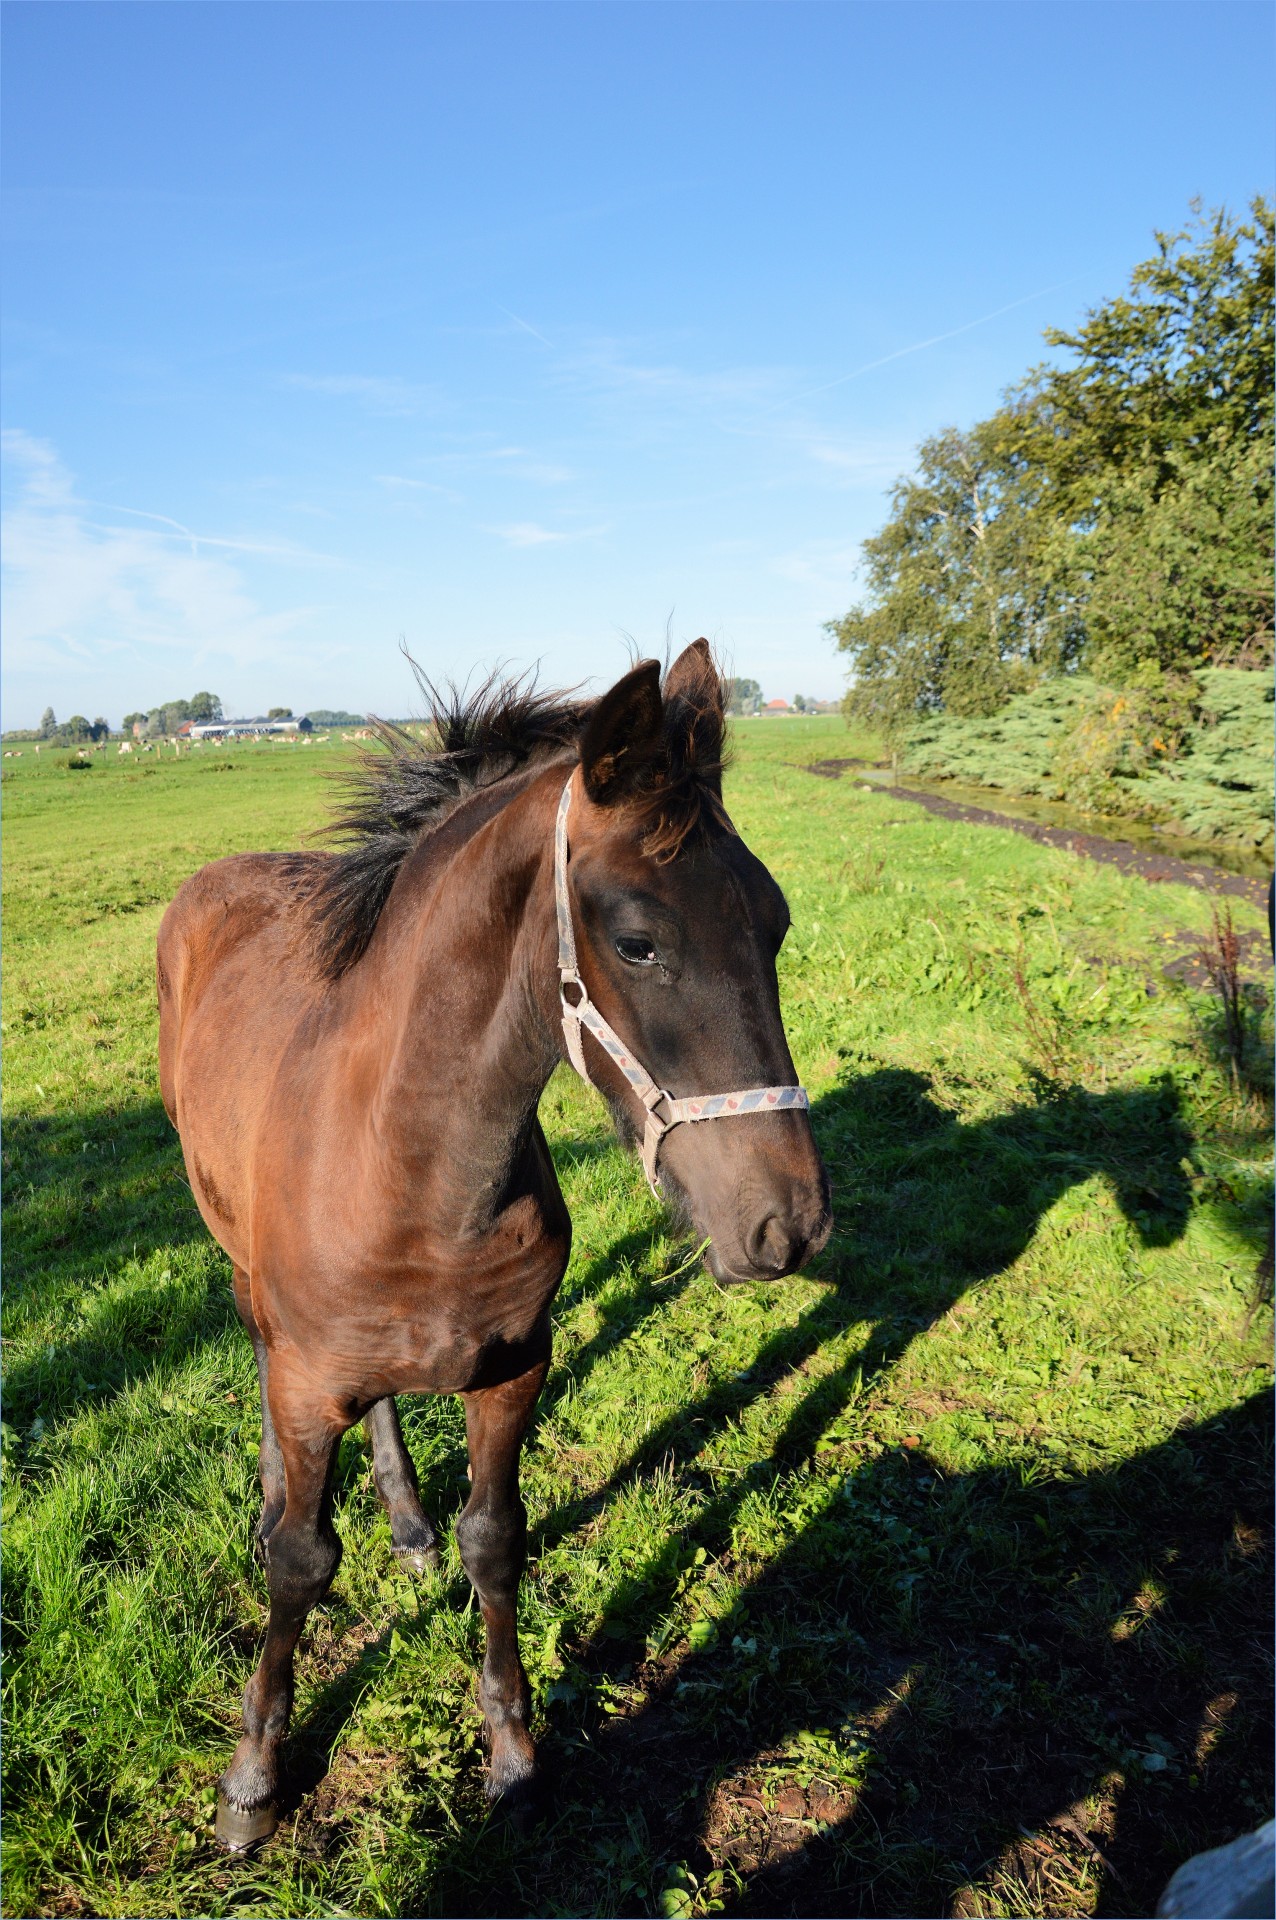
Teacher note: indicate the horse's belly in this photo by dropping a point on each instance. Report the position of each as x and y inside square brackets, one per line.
[367, 1359]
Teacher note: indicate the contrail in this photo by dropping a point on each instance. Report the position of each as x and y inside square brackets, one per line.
[527, 328]
[919, 345]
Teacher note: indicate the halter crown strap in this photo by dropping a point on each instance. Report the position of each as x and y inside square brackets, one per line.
[663, 1111]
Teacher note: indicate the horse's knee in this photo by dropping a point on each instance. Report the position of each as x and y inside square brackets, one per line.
[300, 1563]
[493, 1545]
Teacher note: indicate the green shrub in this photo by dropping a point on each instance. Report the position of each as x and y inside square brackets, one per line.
[1192, 754]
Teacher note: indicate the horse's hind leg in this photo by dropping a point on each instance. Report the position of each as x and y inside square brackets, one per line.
[270, 1461]
[414, 1537]
[302, 1554]
[492, 1536]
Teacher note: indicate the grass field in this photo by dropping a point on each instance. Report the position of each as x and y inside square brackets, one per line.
[934, 1582]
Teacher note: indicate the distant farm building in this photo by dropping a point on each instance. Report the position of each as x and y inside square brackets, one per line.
[244, 729]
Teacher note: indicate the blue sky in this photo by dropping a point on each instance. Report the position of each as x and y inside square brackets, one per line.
[519, 332]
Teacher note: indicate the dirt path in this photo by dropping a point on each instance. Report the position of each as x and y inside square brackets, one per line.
[1093, 846]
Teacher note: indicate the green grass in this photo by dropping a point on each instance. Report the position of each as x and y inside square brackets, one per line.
[841, 1591]
[1218, 788]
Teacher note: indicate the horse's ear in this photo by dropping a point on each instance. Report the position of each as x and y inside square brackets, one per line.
[694, 676]
[695, 712]
[623, 735]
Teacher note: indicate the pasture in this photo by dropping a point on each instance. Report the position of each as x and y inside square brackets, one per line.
[936, 1581]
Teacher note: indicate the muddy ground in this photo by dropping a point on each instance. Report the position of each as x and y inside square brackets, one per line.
[1092, 846]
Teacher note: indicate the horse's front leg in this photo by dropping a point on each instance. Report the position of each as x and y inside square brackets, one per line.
[492, 1536]
[302, 1554]
[411, 1531]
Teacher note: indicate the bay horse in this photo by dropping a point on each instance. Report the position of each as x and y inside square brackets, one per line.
[352, 1048]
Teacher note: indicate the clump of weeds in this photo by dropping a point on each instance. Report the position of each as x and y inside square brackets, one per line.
[1240, 1006]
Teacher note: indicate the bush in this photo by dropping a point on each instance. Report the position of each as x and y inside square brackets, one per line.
[1190, 753]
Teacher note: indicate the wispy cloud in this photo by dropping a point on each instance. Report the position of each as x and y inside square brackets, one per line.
[528, 533]
[380, 394]
[865, 463]
[521, 461]
[919, 346]
[405, 483]
[826, 567]
[607, 367]
[543, 473]
[45, 481]
[81, 595]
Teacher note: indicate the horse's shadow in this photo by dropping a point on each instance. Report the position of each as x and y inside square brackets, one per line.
[927, 1206]
[908, 1253]
[896, 1268]
[1136, 1670]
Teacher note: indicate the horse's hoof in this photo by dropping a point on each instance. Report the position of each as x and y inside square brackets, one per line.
[419, 1560]
[239, 1829]
[516, 1808]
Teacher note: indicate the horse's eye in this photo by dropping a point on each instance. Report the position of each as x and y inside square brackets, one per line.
[637, 949]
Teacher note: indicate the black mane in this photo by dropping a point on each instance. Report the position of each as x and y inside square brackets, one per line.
[394, 796]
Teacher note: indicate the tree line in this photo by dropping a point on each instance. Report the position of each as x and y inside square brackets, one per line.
[1114, 513]
[161, 722]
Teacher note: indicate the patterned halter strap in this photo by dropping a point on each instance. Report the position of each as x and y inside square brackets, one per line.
[663, 1111]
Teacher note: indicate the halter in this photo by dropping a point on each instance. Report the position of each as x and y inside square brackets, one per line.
[663, 1111]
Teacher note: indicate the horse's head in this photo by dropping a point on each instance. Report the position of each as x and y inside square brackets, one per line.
[677, 927]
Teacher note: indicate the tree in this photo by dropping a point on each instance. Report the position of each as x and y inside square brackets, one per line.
[204, 707]
[1184, 358]
[101, 729]
[132, 720]
[968, 598]
[165, 720]
[1116, 510]
[76, 730]
[1157, 439]
[743, 696]
[48, 723]
[279, 713]
[1181, 576]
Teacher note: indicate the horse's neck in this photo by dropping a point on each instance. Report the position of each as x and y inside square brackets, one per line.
[472, 997]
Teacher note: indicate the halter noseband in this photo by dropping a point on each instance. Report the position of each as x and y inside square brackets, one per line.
[663, 1111]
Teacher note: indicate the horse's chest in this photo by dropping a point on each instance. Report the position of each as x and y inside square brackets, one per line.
[429, 1314]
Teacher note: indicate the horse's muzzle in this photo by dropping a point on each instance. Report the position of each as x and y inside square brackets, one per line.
[780, 1244]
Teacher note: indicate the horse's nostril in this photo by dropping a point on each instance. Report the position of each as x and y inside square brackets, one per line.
[772, 1245]
[783, 1242]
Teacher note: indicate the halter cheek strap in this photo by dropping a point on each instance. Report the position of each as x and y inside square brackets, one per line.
[663, 1111]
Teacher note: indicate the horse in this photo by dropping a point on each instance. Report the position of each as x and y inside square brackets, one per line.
[352, 1045]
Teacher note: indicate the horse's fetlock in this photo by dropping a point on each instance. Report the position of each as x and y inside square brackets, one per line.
[505, 1703]
[249, 1780]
